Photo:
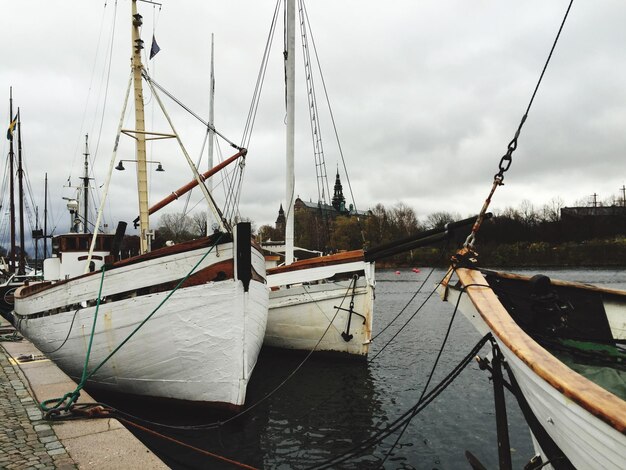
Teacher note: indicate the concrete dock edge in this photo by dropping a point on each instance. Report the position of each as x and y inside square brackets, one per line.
[27, 441]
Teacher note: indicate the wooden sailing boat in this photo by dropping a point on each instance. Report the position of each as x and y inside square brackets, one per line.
[324, 303]
[185, 322]
[564, 345]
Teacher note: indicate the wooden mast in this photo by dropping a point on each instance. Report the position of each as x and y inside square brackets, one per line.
[20, 181]
[11, 188]
[290, 20]
[140, 136]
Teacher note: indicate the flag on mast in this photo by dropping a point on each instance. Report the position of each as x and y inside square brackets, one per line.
[11, 127]
[154, 49]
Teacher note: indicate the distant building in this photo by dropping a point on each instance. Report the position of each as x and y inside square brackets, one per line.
[325, 211]
[586, 223]
[593, 211]
[280, 220]
[313, 230]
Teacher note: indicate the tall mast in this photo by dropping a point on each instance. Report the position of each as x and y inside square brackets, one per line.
[20, 179]
[36, 238]
[86, 186]
[12, 188]
[209, 183]
[45, 219]
[140, 136]
[290, 20]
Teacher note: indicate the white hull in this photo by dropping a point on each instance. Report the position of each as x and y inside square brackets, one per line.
[201, 345]
[587, 441]
[584, 438]
[303, 313]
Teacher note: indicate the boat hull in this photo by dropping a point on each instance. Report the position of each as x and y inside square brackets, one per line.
[309, 309]
[200, 345]
[584, 421]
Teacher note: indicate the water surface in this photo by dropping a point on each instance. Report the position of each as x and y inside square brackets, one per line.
[331, 405]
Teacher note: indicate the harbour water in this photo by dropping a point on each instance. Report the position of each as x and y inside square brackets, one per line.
[329, 405]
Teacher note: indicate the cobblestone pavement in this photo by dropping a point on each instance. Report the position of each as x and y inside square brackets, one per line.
[27, 441]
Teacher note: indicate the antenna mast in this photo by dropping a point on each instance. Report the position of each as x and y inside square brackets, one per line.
[85, 179]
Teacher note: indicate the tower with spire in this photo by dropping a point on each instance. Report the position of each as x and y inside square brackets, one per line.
[339, 201]
[280, 220]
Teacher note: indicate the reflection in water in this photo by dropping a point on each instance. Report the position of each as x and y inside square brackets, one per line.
[326, 407]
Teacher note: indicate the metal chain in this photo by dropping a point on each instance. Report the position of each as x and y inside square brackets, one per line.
[507, 158]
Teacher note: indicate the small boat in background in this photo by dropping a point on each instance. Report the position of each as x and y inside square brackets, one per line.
[324, 303]
[563, 343]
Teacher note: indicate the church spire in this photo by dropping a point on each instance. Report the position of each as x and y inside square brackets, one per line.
[280, 221]
[339, 201]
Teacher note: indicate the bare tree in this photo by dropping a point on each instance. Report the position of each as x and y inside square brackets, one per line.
[199, 224]
[528, 213]
[551, 211]
[404, 220]
[440, 219]
[175, 227]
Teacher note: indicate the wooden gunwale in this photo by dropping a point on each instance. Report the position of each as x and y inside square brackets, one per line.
[26, 291]
[558, 282]
[590, 396]
[338, 258]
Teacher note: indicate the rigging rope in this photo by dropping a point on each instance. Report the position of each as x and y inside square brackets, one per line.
[256, 96]
[334, 123]
[151, 81]
[507, 158]
[408, 415]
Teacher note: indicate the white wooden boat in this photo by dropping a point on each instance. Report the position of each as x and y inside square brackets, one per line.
[322, 304]
[190, 318]
[538, 324]
[310, 299]
[200, 346]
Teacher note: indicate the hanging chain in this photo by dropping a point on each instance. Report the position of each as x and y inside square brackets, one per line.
[507, 158]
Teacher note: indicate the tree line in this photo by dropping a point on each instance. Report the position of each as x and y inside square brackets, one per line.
[515, 235]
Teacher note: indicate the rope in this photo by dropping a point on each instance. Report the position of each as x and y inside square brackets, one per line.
[73, 396]
[10, 338]
[409, 414]
[151, 81]
[256, 96]
[419, 289]
[432, 372]
[424, 400]
[66, 338]
[332, 119]
[507, 159]
[218, 424]
[188, 446]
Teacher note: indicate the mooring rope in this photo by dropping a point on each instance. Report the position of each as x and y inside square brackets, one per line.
[60, 403]
[424, 401]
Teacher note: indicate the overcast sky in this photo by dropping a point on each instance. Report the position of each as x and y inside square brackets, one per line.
[426, 96]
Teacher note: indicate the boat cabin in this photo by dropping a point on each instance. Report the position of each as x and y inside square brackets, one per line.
[70, 252]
